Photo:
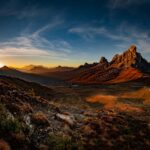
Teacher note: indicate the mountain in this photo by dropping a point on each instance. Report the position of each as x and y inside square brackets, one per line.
[6, 71]
[27, 68]
[131, 58]
[38, 69]
[34, 69]
[122, 68]
[128, 66]
[125, 67]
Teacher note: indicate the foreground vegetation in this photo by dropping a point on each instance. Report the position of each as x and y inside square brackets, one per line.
[28, 120]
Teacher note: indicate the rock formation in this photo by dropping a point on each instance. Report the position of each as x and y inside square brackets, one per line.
[131, 58]
[128, 66]
[103, 60]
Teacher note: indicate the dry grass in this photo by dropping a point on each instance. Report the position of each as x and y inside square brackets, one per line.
[143, 94]
[107, 100]
[40, 119]
[111, 102]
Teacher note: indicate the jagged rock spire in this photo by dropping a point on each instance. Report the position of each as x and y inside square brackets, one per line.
[132, 48]
[103, 60]
[130, 58]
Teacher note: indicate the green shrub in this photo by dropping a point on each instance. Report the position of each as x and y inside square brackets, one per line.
[32, 92]
[7, 123]
[63, 143]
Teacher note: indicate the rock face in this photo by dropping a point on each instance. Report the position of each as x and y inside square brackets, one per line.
[86, 66]
[103, 60]
[130, 58]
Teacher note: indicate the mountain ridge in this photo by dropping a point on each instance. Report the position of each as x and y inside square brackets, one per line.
[38, 69]
[128, 66]
[37, 78]
[125, 67]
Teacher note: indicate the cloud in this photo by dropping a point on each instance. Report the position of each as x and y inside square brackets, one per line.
[26, 9]
[115, 4]
[20, 11]
[89, 32]
[122, 36]
[34, 44]
[12, 8]
[137, 36]
[144, 44]
[56, 21]
[14, 51]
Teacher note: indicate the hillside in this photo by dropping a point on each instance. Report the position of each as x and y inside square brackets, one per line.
[6, 71]
[31, 121]
[29, 87]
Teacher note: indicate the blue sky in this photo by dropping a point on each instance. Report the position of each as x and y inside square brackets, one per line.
[71, 32]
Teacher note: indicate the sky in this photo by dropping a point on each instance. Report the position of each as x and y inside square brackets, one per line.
[71, 32]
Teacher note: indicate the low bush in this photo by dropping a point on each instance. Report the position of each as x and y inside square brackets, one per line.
[63, 143]
[7, 123]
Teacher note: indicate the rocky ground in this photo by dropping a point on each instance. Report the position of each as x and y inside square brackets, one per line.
[29, 120]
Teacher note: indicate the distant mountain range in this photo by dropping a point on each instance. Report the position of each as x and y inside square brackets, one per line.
[125, 67]
[39, 69]
[6, 71]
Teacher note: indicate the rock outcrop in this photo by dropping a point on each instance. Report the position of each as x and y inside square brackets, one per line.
[86, 66]
[131, 58]
[103, 60]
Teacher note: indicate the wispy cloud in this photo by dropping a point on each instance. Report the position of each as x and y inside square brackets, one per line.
[124, 34]
[137, 36]
[114, 4]
[16, 9]
[90, 32]
[34, 44]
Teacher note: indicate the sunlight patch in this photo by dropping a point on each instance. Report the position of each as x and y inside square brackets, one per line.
[111, 102]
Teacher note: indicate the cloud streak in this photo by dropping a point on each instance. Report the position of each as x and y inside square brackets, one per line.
[16, 9]
[124, 34]
[35, 44]
[89, 32]
[115, 4]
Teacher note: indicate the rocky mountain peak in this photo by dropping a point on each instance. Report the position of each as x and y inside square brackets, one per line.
[130, 58]
[132, 49]
[103, 60]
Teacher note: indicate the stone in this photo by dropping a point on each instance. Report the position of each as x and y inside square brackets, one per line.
[66, 118]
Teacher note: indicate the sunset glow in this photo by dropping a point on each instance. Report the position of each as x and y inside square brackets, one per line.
[70, 33]
[1, 65]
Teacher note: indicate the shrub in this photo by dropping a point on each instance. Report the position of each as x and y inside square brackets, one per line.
[32, 92]
[40, 119]
[7, 123]
[63, 143]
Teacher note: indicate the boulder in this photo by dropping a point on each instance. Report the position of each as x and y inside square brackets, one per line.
[69, 119]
